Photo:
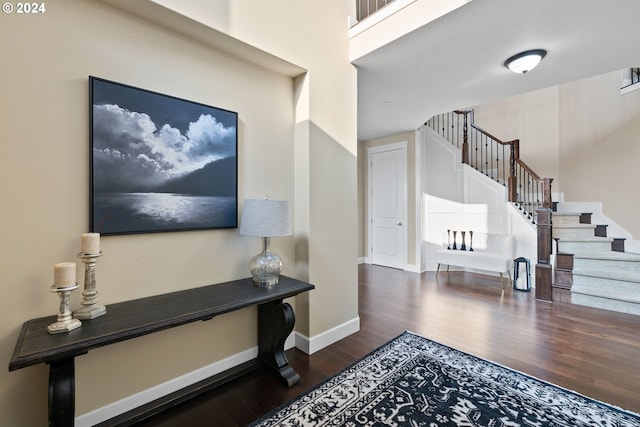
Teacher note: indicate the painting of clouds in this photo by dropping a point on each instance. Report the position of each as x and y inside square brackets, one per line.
[160, 163]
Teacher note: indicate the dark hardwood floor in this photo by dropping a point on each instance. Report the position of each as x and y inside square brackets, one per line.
[594, 352]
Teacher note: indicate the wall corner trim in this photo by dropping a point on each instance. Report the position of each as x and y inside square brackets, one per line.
[320, 341]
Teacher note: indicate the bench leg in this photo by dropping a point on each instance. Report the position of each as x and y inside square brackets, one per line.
[502, 281]
[62, 394]
[438, 270]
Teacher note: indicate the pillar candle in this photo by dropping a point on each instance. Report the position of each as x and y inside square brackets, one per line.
[64, 273]
[90, 243]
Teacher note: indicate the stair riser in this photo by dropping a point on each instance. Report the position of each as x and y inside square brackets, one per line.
[564, 261]
[607, 304]
[589, 284]
[569, 233]
[581, 247]
[565, 219]
[605, 265]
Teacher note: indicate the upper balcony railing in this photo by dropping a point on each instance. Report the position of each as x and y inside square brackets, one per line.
[365, 8]
[630, 80]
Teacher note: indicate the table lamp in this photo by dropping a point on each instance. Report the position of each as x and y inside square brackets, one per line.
[266, 219]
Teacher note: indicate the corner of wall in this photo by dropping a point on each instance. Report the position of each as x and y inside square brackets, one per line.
[310, 345]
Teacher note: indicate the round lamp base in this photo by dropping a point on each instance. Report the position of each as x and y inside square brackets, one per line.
[265, 268]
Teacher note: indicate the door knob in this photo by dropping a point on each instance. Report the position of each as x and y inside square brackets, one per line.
[399, 223]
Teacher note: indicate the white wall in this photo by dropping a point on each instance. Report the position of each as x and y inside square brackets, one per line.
[457, 197]
[408, 15]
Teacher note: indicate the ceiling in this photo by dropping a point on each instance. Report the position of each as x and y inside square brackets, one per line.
[457, 60]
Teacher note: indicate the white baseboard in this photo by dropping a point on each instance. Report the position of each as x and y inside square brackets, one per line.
[318, 342]
[149, 395]
[412, 268]
[131, 402]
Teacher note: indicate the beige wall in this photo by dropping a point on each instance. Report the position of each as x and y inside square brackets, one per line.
[533, 119]
[600, 147]
[363, 173]
[45, 169]
[325, 141]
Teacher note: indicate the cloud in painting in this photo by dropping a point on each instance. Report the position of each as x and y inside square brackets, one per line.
[128, 147]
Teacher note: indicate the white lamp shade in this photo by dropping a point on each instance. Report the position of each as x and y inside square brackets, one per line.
[265, 218]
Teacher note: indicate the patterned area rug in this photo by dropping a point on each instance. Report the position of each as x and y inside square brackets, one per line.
[413, 381]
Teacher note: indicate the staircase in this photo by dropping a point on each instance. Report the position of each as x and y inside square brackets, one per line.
[500, 161]
[593, 267]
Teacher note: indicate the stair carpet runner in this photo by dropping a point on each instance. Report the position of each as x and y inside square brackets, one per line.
[603, 275]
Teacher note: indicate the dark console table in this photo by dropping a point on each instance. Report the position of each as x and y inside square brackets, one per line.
[130, 319]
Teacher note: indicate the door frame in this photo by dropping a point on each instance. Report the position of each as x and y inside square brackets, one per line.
[401, 145]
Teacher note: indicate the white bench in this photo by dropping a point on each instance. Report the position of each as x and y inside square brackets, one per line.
[485, 251]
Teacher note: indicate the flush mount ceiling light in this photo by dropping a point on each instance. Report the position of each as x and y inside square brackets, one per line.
[525, 61]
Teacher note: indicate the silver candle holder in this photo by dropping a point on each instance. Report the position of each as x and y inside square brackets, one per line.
[65, 321]
[90, 309]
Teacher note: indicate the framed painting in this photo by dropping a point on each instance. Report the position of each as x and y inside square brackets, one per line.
[159, 163]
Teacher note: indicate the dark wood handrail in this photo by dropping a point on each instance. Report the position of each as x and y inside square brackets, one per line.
[515, 146]
[484, 132]
[479, 129]
[529, 170]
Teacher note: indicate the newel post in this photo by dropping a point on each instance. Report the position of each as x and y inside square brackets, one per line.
[544, 270]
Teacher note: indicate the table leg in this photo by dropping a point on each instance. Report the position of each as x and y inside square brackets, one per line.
[275, 323]
[62, 393]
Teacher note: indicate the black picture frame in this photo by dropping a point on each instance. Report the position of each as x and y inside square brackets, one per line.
[159, 163]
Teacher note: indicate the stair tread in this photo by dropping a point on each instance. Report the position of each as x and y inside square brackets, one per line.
[567, 213]
[609, 256]
[575, 225]
[620, 275]
[596, 285]
[585, 239]
[610, 294]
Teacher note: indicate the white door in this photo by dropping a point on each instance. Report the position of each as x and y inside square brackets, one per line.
[387, 182]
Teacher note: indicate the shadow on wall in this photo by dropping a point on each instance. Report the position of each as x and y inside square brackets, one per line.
[440, 215]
